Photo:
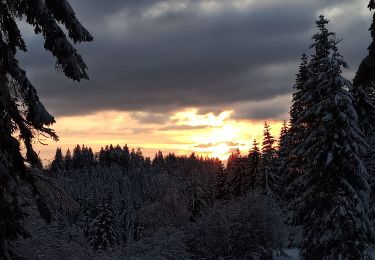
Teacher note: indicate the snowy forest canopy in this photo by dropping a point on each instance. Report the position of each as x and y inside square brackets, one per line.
[311, 194]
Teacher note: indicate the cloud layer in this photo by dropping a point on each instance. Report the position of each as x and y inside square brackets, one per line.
[163, 56]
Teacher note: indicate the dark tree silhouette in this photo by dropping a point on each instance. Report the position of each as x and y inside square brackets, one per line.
[20, 108]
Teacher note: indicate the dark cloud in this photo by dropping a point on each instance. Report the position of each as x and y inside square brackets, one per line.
[277, 108]
[150, 118]
[186, 57]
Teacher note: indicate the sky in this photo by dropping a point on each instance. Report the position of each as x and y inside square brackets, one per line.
[186, 75]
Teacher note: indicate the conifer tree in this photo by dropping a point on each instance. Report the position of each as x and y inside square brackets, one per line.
[126, 157]
[21, 112]
[158, 162]
[282, 158]
[235, 170]
[268, 178]
[254, 160]
[332, 207]
[103, 230]
[77, 157]
[58, 162]
[68, 160]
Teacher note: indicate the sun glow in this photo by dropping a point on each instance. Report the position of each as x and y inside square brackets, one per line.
[220, 134]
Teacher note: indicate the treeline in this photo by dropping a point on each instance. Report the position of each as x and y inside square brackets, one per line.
[83, 157]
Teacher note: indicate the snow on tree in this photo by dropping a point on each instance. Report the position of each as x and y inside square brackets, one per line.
[268, 177]
[20, 108]
[103, 230]
[333, 203]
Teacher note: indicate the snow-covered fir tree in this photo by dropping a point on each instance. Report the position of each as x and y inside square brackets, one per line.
[268, 177]
[21, 111]
[333, 205]
[103, 230]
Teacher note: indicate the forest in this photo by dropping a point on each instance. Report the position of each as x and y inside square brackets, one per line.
[308, 194]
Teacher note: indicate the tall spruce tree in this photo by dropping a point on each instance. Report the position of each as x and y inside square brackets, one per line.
[21, 111]
[332, 207]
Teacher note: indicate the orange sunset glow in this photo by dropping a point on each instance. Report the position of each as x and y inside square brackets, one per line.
[184, 132]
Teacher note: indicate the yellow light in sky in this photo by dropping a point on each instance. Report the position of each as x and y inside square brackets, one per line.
[214, 135]
[192, 118]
